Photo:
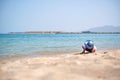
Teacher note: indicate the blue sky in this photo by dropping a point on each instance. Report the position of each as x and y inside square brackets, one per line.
[57, 15]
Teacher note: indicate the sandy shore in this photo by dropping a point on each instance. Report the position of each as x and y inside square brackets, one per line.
[103, 65]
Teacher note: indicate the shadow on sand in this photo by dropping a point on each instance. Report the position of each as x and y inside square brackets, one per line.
[82, 53]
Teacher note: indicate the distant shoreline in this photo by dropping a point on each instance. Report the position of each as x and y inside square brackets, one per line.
[59, 32]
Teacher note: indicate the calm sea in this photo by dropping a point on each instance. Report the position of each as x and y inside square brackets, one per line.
[30, 43]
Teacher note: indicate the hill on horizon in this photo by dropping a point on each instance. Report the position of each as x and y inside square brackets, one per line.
[105, 29]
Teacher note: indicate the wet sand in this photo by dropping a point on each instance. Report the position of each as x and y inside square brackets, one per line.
[102, 65]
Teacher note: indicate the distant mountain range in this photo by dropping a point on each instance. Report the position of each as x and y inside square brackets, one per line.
[105, 29]
[96, 30]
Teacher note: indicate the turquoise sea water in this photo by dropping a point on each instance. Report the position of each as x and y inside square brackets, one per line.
[27, 43]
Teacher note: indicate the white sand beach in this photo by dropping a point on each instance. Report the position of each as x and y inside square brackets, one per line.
[103, 65]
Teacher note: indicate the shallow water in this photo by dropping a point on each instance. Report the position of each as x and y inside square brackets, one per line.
[30, 43]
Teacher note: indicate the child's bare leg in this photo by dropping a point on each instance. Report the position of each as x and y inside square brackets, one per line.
[94, 50]
[83, 49]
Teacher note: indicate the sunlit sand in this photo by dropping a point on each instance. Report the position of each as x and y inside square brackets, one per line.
[103, 65]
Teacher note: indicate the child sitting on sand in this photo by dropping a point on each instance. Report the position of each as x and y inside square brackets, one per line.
[89, 46]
